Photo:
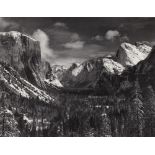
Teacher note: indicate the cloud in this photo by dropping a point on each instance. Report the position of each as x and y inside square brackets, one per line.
[67, 46]
[60, 24]
[7, 25]
[68, 56]
[98, 38]
[58, 37]
[67, 62]
[112, 34]
[47, 53]
[3, 23]
[72, 51]
[75, 37]
[74, 45]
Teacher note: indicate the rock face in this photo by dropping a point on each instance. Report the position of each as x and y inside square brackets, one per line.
[58, 71]
[45, 69]
[23, 53]
[13, 82]
[146, 69]
[130, 55]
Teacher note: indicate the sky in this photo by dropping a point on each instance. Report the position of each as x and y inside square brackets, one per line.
[66, 40]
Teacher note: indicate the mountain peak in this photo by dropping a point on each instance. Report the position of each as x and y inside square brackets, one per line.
[130, 55]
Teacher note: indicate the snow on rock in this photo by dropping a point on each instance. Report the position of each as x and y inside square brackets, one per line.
[143, 47]
[33, 90]
[29, 121]
[20, 86]
[54, 82]
[57, 71]
[112, 67]
[108, 64]
[130, 55]
[8, 112]
[77, 70]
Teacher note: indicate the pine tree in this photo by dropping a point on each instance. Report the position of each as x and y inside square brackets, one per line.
[8, 124]
[136, 114]
[149, 111]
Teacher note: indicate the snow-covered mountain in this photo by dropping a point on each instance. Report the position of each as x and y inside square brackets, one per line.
[130, 55]
[89, 72]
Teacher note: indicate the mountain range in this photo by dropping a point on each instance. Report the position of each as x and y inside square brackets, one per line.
[45, 100]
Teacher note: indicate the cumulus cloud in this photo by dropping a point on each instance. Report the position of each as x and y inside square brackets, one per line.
[47, 53]
[4, 24]
[112, 34]
[74, 45]
[58, 37]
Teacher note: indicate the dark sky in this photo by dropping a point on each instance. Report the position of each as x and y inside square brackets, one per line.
[67, 40]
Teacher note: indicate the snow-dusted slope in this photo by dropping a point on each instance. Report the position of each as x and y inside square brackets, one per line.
[77, 70]
[54, 82]
[20, 86]
[112, 66]
[109, 65]
[130, 55]
[89, 72]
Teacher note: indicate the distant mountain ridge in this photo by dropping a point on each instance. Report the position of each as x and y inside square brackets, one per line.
[89, 72]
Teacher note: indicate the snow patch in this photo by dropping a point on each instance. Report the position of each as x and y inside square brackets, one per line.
[54, 82]
[77, 70]
[112, 67]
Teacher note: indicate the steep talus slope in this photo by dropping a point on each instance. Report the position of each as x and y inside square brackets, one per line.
[23, 53]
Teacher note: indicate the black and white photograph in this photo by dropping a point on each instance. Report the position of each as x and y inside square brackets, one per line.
[77, 77]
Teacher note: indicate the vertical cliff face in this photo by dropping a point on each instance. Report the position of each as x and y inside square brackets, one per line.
[23, 53]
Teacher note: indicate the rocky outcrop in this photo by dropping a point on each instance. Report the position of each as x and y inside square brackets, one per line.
[23, 53]
[58, 71]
